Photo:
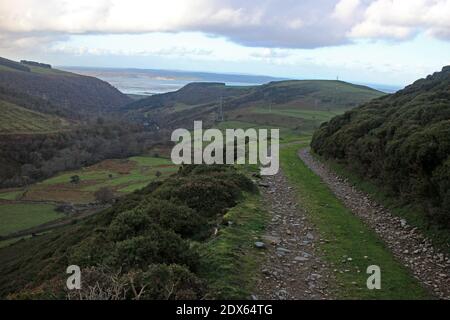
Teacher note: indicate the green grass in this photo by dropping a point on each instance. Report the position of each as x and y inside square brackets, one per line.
[150, 161]
[6, 243]
[122, 176]
[16, 217]
[41, 70]
[231, 259]
[16, 119]
[83, 174]
[5, 68]
[316, 115]
[411, 212]
[348, 237]
[11, 195]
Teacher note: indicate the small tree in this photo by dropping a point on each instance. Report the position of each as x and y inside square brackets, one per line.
[158, 174]
[75, 179]
[104, 195]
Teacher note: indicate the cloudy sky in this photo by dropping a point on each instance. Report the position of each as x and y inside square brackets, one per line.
[381, 41]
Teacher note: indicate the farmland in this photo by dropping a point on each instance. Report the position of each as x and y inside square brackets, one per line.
[29, 207]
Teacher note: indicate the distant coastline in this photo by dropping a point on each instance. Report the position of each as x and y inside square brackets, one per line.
[154, 81]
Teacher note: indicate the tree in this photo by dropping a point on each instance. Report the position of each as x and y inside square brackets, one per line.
[104, 195]
[158, 174]
[75, 179]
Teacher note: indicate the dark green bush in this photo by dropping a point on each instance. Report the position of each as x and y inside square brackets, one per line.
[401, 142]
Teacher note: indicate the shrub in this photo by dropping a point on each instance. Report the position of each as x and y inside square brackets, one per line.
[401, 142]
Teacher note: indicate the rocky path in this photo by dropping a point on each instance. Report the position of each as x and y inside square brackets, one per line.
[415, 251]
[293, 269]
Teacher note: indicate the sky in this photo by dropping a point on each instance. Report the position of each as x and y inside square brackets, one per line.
[368, 41]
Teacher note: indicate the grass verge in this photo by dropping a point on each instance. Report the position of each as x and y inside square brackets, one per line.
[231, 260]
[349, 245]
[409, 211]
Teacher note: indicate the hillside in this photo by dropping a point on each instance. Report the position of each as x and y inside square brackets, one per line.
[401, 142]
[154, 239]
[19, 120]
[63, 89]
[289, 104]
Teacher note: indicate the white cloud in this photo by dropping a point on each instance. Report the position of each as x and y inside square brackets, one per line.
[346, 10]
[401, 19]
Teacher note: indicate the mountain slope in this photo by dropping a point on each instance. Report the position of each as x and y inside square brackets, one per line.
[18, 120]
[400, 141]
[147, 238]
[63, 89]
[277, 103]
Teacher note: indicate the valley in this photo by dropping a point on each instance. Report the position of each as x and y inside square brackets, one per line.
[101, 192]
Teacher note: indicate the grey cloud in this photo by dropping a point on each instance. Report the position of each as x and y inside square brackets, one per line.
[265, 23]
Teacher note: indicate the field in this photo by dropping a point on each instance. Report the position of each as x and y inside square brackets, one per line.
[121, 176]
[21, 216]
[21, 209]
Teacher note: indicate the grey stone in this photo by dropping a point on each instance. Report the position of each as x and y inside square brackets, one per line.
[260, 245]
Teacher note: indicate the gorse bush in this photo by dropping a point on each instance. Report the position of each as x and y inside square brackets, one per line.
[144, 246]
[400, 141]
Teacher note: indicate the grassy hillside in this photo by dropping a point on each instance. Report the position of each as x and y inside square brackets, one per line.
[401, 142]
[155, 239]
[19, 120]
[63, 89]
[297, 105]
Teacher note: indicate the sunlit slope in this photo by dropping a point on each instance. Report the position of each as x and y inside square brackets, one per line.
[17, 120]
[288, 104]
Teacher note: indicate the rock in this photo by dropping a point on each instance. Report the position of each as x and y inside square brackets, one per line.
[301, 259]
[272, 240]
[282, 294]
[260, 245]
[305, 254]
[403, 223]
[283, 250]
[310, 236]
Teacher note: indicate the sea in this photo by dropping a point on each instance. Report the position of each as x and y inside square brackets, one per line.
[152, 81]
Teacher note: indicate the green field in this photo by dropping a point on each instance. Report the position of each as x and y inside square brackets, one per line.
[348, 237]
[121, 176]
[21, 216]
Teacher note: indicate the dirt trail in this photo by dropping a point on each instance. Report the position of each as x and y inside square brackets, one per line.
[415, 251]
[293, 269]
